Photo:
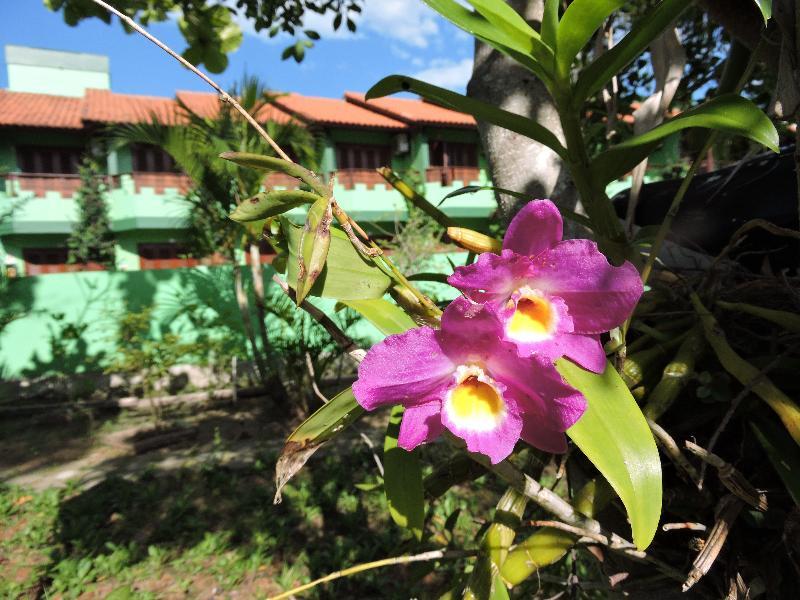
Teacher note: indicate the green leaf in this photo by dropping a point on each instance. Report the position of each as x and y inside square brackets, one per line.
[271, 204]
[386, 316]
[402, 480]
[480, 110]
[782, 453]
[614, 435]
[729, 113]
[347, 275]
[581, 19]
[503, 17]
[321, 426]
[485, 582]
[530, 53]
[312, 249]
[644, 31]
[765, 6]
[550, 23]
[271, 163]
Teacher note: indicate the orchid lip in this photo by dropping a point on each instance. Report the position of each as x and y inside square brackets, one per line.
[534, 317]
[476, 402]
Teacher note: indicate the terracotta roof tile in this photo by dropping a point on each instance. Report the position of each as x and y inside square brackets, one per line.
[413, 111]
[206, 105]
[105, 106]
[23, 109]
[333, 111]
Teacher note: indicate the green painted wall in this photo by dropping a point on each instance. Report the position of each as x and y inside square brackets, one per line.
[93, 302]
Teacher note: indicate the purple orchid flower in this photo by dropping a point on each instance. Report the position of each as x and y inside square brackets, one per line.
[553, 297]
[466, 378]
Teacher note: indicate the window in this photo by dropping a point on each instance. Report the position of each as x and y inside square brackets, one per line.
[40, 159]
[363, 156]
[151, 159]
[167, 255]
[453, 154]
[39, 261]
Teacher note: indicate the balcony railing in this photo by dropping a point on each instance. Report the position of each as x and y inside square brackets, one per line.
[160, 182]
[40, 183]
[447, 175]
[348, 178]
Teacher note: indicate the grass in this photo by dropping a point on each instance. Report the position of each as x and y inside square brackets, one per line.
[195, 530]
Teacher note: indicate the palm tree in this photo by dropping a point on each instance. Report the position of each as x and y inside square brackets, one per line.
[218, 186]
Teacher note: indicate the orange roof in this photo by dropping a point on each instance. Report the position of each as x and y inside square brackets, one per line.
[104, 106]
[25, 109]
[413, 111]
[332, 111]
[207, 104]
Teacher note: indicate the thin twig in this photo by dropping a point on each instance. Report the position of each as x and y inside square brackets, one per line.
[671, 449]
[223, 95]
[339, 336]
[689, 526]
[729, 508]
[612, 542]
[314, 386]
[371, 447]
[386, 562]
[731, 478]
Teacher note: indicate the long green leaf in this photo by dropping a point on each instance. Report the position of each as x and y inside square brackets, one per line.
[271, 204]
[533, 55]
[782, 453]
[729, 113]
[321, 426]
[270, 163]
[597, 74]
[581, 19]
[614, 435]
[550, 23]
[765, 6]
[480, 110]
[502, 16]
[402, 480]
[346, 276]
[386, 316]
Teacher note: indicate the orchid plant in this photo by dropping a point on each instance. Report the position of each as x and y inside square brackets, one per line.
[520, 355]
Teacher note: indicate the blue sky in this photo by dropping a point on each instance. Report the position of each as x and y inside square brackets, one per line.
[394, 36]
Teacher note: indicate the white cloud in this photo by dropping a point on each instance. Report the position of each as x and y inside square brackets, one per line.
[407, 21]
[447, 73]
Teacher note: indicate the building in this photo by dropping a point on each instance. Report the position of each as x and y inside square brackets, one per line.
[57, 102]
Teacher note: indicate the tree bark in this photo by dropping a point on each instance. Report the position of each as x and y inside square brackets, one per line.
[247, 323]
[515, 162]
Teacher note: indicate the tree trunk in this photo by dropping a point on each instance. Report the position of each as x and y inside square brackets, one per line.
[247, 323]
[518, 163]
[273, 360]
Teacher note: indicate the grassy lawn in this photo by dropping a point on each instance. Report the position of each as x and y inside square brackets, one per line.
[205, 530]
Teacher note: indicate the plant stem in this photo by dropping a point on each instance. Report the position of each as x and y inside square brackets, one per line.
[385, 562]
[223, 95]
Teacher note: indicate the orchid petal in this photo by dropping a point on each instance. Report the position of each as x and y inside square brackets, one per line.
[534, 229]
[409, 368]
[492, 277]
[420, 424]
[543, 438]
[496, 443]
[584, 350]
[599, 295]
